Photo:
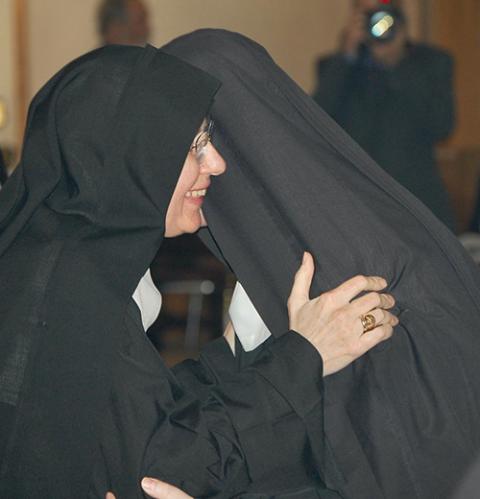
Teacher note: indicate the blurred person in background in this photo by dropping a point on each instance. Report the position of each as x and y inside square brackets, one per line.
[393, 96]
[123, 22]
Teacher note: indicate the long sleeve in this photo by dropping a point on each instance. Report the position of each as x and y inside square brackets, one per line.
[249, 427]
[297, 476]
[216, 436]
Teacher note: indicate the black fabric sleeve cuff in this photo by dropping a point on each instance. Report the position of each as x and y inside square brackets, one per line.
[297, 372]
[219, 358]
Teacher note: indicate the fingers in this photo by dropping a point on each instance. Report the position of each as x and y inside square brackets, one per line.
[370, 301]
[161, 490]
[301, 284]
[372, 338]
[109, 496]
[382, 317]
[351, 288]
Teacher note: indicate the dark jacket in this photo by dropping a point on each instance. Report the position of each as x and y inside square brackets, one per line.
[397, 115]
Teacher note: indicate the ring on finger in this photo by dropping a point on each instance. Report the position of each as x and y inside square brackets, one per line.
[368, 322]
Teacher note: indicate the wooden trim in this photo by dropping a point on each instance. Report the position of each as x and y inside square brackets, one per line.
[425, 20]
[20, 14]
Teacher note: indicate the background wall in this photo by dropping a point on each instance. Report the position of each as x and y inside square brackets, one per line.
[295, 32]
[8, 134]
[456, 26]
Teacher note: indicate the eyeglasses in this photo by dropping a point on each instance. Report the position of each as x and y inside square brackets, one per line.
[202, 139]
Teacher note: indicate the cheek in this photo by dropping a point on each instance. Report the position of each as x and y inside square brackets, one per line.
[189, 175]
[182, 215]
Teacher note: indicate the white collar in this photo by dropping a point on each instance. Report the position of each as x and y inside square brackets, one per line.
[148, 299]
[246, 321]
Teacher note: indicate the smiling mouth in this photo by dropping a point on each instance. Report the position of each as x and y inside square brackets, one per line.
[196, 194]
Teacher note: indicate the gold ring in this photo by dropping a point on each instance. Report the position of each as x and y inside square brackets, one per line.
[368, 322]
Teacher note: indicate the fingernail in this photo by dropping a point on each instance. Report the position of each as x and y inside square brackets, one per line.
[304, 259]
[148, 484]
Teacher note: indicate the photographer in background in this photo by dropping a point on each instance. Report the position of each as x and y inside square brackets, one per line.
[394, 97]
[123, 22]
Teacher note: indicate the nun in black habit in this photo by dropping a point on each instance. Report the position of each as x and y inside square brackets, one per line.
[403, 421]
[86, 405]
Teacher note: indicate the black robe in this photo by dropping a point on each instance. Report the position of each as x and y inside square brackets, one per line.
[86, 404]
[403, 420]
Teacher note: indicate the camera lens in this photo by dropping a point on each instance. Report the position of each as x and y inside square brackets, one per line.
[382, 24]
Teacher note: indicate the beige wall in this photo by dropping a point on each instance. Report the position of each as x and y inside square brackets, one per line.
[58, 31]
[7, 67]
[295, 32]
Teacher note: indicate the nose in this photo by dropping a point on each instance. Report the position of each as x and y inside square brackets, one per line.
[212, 163]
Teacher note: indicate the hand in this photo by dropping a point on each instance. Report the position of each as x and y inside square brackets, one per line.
[159, 490]
[332, 321]
[354, 34]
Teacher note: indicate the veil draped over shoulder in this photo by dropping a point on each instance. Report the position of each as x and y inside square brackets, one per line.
[402, 421]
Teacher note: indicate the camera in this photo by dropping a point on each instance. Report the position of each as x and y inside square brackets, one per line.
[382, 24]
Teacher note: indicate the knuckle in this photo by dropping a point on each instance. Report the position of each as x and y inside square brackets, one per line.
[325, 298]
[382, 315]
[375, 300]
[360, 280]
[389, 318]
[337, 316]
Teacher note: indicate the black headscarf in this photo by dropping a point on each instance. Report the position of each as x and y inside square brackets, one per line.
[402, 421]
[80, 222]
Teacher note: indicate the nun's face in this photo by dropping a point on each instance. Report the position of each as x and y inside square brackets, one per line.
[184, 214]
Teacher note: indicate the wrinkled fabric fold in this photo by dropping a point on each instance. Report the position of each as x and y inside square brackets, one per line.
[81, 220]
[402, 420]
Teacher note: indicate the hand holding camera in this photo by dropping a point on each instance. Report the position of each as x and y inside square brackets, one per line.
[354, 34]
[381, 30]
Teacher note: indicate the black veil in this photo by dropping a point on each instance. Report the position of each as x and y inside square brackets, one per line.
[402, 421]
[86, 403]
[80, 222]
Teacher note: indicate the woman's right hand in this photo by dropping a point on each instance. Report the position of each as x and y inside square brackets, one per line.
[156, 489]
[332, 322]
